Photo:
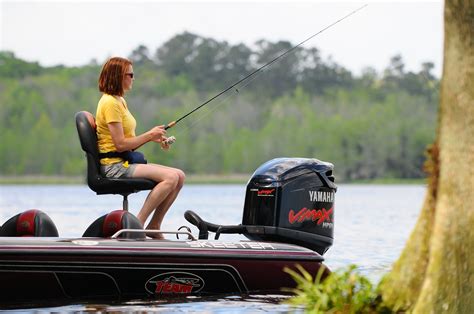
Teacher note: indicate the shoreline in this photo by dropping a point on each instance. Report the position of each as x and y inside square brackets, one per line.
[190, 179]
[73, 180]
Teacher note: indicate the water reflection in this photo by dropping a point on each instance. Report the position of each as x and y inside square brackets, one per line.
[246, 303]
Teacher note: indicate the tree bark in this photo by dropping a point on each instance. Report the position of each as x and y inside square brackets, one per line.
[401, 287]
[435, 273]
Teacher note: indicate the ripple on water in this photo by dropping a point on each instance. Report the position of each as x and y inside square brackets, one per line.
[246, 303]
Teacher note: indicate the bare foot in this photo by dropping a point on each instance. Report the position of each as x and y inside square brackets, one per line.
[156, 236]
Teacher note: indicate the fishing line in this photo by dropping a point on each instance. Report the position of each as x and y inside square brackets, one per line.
[173, 123]
[217, 106]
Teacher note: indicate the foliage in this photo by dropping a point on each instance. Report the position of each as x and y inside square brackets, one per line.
[342, 291]
[16, 68]
[372, 126]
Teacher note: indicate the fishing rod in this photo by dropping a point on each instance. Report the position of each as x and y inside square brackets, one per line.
[173, 123]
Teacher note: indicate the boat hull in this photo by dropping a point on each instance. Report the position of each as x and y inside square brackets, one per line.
[85, 269]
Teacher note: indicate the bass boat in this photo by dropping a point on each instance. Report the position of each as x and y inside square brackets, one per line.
[288, 219]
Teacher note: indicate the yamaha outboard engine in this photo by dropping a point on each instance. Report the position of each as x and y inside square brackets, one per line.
[288, 200]
[291, 200]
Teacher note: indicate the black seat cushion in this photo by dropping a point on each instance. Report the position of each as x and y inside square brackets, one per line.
[108, 224]
[31, 223]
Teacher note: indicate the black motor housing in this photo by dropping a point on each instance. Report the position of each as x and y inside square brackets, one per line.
[291, 200]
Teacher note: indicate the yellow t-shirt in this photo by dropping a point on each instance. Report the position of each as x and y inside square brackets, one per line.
[112, 109]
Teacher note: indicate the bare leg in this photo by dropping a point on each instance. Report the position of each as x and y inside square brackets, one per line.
[163, 194]
[156, 196]
[161, 210]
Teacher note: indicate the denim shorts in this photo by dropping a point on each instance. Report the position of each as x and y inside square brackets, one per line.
[118, 170]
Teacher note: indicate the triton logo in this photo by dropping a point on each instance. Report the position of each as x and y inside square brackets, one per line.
[174, 283]
[318, 215]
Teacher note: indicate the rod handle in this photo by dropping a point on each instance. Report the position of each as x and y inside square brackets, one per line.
[170, 125]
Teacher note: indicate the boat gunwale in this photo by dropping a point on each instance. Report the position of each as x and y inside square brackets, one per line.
[116, 247]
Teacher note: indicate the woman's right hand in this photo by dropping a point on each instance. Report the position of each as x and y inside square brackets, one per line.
[156, 133]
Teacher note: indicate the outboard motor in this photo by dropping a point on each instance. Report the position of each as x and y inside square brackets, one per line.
[291, 200]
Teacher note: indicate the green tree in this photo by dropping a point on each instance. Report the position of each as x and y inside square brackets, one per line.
[280, 76]
[301, 106]
[12, 67]
[140, 56]
[175, 55]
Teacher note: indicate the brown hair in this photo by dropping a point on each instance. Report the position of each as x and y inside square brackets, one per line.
[111, 76]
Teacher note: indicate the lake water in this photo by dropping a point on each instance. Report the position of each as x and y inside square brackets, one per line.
[372, 223]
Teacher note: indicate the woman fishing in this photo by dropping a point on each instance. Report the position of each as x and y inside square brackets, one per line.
[116, 133]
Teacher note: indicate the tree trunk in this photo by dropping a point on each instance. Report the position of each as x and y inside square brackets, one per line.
[435, 272]
[401, 287]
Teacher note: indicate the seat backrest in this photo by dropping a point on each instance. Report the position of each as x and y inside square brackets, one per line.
[86, 129]
[31, 223]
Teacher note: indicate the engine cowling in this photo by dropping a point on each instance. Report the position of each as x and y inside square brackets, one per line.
[291, 200]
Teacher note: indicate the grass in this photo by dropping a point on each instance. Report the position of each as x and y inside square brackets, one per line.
[344, 291]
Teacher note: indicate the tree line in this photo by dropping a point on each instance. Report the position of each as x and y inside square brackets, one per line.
[372, 125]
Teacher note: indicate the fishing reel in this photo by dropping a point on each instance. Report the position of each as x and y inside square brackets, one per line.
[170, 140]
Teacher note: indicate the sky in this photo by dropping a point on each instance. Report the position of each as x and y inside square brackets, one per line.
[73, 33]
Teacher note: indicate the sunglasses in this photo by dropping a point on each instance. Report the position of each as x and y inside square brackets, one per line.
[129, 74]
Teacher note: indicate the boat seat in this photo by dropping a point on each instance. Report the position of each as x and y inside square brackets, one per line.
[30, 223]
[86, 129]
[108, 224]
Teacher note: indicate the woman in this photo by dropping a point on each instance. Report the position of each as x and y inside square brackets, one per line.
[116, 133]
